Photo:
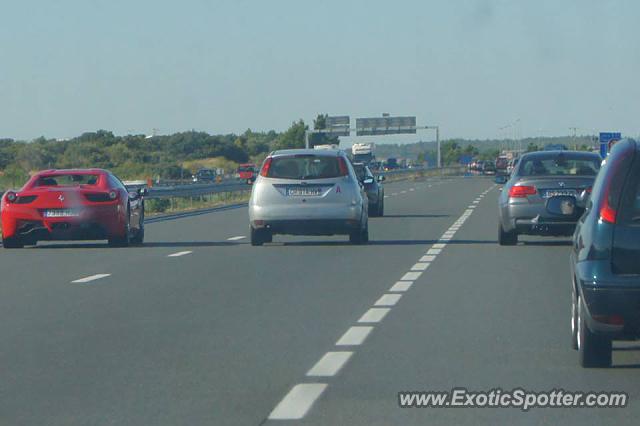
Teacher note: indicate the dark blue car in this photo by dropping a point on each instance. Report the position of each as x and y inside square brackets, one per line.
[605, 260]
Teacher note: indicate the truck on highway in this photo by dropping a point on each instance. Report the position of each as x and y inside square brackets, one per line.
[363, 153]
[391, 164]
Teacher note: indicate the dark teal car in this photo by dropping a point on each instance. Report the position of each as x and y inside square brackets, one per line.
[605, 260]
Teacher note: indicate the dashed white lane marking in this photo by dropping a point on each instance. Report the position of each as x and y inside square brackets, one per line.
[329, 364]
[403, 192]
[374, 315]
[395, 193]
[388, 300]
[412, 189]
[428, 258]
[91, 278]
[298, 401]
[386, 196]
[411, 276]
[354, 336]
[401, 286]
[239, 237]
[180, 253]
[420, 266]
[476, 201]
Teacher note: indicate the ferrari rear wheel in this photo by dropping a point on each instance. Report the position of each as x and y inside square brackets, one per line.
[12, 243]
[139, 237]
[125, 240]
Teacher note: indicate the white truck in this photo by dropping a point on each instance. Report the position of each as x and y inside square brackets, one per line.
[363, 152]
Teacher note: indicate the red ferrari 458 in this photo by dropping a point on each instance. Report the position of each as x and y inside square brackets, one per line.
[83, 204]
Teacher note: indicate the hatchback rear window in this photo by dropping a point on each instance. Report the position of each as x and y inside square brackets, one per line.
[305, 167]
[67, 180]
[559, 165]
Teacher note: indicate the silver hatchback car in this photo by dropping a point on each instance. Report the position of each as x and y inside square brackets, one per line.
[308, 192]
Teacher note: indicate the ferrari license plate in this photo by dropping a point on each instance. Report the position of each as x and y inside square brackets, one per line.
[61, 213]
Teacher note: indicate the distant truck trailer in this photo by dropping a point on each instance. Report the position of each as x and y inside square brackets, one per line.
[363, 153]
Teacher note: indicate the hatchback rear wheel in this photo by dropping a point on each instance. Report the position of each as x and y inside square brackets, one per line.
[260, 236]
[361, 236]
[594, 351]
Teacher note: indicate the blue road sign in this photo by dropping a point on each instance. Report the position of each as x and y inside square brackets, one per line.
[606, 140]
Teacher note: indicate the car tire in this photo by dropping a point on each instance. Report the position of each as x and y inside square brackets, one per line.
[507, 238]
[361, 236]
[381, 208]
[260, 236]
[373, 210]
[12, 243]
[138, 238]
[594, 351]
[124, 241]
[574, 323]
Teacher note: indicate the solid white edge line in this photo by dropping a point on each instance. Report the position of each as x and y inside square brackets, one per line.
[354, 336]
[388, 300]
[90, 278]
[401, 286]
[329, 364]
[374, 315]
[298, 401]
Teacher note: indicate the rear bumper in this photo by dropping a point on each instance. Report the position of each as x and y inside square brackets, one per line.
[319, 212]
[534, 219]
[606, 295]
[94, 222]
[605, 303]
[309, 226]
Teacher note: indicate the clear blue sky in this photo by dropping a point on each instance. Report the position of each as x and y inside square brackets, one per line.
[470, 66]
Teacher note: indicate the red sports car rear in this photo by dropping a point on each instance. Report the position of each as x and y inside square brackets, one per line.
[86, 204]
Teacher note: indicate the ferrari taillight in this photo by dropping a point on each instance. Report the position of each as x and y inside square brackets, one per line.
[11, 197]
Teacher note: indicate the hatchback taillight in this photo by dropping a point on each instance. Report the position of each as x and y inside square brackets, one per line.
[522, 191]
[342, 164]
[265, 167]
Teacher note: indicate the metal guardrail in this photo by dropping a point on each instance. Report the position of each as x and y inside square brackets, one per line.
[234, 185]
[195, 190]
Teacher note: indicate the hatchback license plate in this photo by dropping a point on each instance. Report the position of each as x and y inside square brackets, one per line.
[304, 192]
[61, 213]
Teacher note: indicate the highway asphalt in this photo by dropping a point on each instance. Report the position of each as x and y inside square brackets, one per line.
[199, 328]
